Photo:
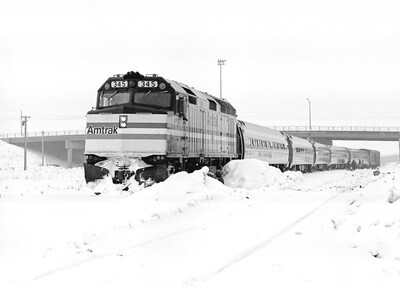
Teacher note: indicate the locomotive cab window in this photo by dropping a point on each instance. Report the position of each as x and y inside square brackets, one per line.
[192, 100]
[151, 98]
[212, 105]
[111, 98]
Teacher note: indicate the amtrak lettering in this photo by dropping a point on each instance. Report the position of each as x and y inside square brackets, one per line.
[102, 130]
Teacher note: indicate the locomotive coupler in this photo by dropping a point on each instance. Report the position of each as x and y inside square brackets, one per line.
[122, 175]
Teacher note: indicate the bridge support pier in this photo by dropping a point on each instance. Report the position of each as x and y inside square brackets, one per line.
[70, 146]
[69, 158]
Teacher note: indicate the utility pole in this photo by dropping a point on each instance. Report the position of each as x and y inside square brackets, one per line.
[24, 122]
[309, 112]
[220, 63]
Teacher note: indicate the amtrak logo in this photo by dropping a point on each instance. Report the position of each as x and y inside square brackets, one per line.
[102, 130]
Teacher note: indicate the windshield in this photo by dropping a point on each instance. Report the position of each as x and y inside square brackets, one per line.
[111, 98]
[159, 99]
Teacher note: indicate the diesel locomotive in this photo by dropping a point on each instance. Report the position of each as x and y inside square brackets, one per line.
[150, 127]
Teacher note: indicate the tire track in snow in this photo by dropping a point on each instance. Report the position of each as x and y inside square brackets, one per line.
[271, 239]
[176, 233]
[264, 243]
[151, 241]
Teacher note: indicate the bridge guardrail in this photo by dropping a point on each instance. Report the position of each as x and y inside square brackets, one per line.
[44, 133]
[337, 128]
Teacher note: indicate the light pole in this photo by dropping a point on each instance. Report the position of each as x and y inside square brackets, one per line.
[309, 112]
[220, 63]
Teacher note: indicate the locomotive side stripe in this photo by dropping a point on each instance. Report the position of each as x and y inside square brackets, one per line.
[127, 136]
[159, 128]
[143, 131]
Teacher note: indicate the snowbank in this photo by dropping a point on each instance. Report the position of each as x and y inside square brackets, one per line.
[36, 180]
[12, 157]
[42, 180]
[394, 194]
[370, 223]
[184, 183]
[255, 174]
[175, 195]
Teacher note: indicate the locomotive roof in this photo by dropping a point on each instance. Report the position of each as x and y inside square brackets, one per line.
[225, 106]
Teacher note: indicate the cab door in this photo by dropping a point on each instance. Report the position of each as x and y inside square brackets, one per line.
[185, 126]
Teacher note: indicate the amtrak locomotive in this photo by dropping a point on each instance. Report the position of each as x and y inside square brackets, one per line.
[149, 127]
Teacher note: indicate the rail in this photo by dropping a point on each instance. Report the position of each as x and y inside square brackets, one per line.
[337, 128]
[43, 133]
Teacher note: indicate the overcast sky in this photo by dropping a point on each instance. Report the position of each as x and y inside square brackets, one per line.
[343, 55]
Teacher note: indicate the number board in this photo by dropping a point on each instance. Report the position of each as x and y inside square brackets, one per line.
[119, 84]
[147, 84]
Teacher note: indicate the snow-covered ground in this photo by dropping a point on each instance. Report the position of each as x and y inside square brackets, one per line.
[263, 228]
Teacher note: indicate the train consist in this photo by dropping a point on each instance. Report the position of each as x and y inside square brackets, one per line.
[149, 127]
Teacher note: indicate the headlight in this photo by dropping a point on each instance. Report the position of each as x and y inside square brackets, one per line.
[123, 121]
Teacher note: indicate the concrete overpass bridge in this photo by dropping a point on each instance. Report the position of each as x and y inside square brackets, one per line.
[69, 145]
[326, 134]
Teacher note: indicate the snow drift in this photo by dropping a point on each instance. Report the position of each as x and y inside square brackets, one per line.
[255, 174]
[12, 157]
